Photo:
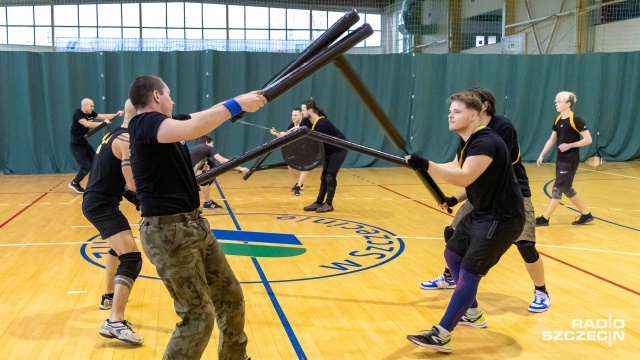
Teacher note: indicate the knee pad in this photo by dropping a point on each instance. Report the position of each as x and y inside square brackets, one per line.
[331, 180]
[448, 233]
[112, 253]
[528, 251]
[570, 193]
[130, 265]
[556, 193]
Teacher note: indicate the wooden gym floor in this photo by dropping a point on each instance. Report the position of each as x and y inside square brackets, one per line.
[345, 285]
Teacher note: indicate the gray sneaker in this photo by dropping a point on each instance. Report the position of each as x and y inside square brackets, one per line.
[120, 330]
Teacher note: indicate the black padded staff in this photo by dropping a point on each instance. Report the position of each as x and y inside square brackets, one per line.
[268, 147]
[328, 139]
[332, 34]
[336, 30]
[390, 130]
[322, 58]
[95, 130]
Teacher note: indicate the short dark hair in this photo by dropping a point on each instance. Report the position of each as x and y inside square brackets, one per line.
[297, 109]
[469, 99]
[204, 139]
[485, 95]
[142, 87]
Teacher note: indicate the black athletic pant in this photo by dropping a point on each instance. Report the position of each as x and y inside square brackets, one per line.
[84, 154]
[328, 183]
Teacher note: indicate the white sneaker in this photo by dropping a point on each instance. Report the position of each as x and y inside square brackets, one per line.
[541, 302]
[120, 330]
[441, 282]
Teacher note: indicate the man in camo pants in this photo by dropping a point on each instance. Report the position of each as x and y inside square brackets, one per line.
[175, 238]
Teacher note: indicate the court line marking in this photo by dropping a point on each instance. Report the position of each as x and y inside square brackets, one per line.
[588, 249]
[614, 174]
[23, 209]
[297, 347]
[592, 274]
[77, 292]
[546, 192]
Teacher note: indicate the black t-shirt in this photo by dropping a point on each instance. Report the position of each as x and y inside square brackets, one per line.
[567, 134]
[323, 125]
[503, 127]
[78, 130]
[304, 122]
[495, 194]
[106, 175]
[201, 152]
[165, 181]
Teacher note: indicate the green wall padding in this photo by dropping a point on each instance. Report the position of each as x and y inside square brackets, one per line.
[41, 91]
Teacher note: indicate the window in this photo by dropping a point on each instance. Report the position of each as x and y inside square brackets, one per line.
[175, 19]
[20, 15]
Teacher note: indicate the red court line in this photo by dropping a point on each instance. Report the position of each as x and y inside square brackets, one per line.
[419, 202]
[21, 211]
[592, 274]
[541, 253]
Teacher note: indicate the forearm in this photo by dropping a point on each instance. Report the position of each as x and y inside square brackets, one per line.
[452, 175]
[549, 144]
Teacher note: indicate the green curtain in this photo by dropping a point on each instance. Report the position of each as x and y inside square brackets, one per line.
[41, 91]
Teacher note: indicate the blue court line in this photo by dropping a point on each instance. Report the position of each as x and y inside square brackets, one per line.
[544, 188]
[274, 301]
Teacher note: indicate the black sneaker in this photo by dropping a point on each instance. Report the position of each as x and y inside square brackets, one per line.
[296, 190]
[541, 221]
[294, 187]
[324, 208]
[211, 205]
[583, 219]
[107, 302]
[432, 340]
[312, 207]
[76, 187]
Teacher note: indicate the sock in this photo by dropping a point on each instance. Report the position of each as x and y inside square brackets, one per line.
[542, 288]
[461, 300]
[444, 332]
[447, 274]
[473, 311]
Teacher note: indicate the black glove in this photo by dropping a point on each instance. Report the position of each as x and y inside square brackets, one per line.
[417, 162]
[451, 201]
[131, 197]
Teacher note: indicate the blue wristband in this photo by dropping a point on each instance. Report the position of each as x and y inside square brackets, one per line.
[233, 107]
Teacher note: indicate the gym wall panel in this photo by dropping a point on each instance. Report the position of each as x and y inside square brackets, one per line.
[41, 91]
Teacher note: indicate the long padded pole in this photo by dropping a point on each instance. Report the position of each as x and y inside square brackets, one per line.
[289, 137]
[390, 130]
[95, 130]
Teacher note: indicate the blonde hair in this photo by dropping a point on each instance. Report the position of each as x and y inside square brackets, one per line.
[566, 96]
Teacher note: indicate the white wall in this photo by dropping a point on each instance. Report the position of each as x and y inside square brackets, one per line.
[475, 7]
[618, 36]
[563, 41]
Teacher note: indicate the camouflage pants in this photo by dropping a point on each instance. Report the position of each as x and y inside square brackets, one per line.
[199, 279]
[529, 232]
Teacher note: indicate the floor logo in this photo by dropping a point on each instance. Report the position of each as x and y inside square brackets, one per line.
[599, 329]
[313, 247]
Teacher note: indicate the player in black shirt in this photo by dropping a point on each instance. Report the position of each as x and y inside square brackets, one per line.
[174, 235]
[333, 157]
[298, 176]
[526, 242]
[109, 179]
[497, 218]
[203, 158]
[80, 147]
[567, 130]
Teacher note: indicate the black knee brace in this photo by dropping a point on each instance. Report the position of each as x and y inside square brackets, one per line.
[331, 180]
[113, 253]
[528, 251]
[448, 233]
[130, 265]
